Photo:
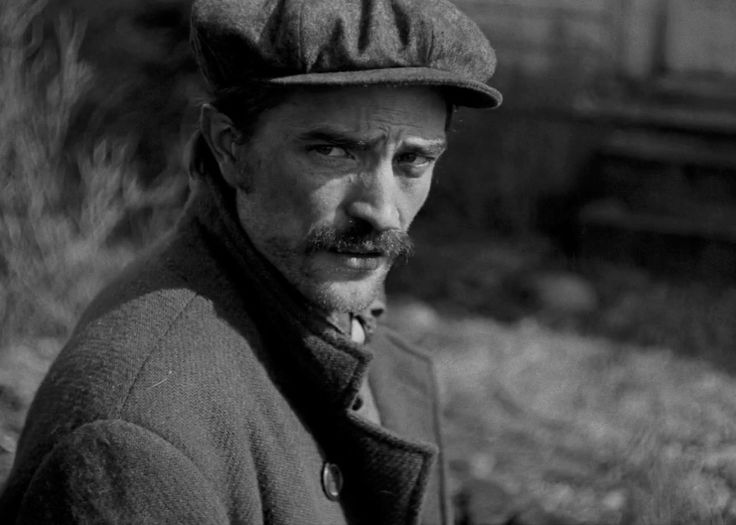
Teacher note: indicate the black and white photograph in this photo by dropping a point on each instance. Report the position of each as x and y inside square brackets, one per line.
[368, 262]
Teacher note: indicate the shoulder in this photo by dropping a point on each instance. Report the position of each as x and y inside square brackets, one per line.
[113, 471]
[143, 311]
[153, 338]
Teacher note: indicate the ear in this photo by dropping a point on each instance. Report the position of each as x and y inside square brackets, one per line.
[223, 139]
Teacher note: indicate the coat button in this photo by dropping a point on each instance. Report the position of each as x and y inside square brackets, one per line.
[331, 481]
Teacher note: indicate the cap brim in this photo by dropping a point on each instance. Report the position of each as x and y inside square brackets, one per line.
[462, 92]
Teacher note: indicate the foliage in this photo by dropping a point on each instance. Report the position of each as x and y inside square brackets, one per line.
[60, 201]
[63, 200]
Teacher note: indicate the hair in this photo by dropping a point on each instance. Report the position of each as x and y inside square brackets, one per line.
[244, 106]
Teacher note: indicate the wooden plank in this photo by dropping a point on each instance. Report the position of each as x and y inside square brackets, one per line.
[541, 7]
[696, 88]
[639, 34]
[633, 113]
[523, 31]
[674, 150]
[701, 37]
[531, 61]
[488, 15]
[545, 32]
[720, 227]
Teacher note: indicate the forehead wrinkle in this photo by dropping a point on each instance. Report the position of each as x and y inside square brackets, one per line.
[341, 135]
[365, 122]
[333, 133]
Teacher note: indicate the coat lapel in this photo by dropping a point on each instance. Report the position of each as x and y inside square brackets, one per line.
[405, 390]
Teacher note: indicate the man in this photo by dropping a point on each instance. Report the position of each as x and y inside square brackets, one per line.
[235, 375]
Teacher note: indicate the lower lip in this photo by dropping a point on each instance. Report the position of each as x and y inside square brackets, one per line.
[352, 262]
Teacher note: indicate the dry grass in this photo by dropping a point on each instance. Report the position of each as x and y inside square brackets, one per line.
[589, 430]
[57, 207]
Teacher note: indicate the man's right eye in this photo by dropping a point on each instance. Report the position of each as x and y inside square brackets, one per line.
[328, 150]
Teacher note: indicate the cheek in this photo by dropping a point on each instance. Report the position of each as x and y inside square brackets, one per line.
[297, 200]
[413, 196]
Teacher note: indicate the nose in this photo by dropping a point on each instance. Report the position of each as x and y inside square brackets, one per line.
[374, 198]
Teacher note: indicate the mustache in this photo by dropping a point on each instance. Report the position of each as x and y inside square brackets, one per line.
[359, 238]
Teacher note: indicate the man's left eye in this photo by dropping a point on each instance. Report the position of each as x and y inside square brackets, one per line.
[414, 160]
[331, 151]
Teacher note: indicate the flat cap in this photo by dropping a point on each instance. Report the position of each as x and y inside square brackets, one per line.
[343, 43]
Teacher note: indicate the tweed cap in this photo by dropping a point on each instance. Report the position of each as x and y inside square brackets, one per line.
[343, 43]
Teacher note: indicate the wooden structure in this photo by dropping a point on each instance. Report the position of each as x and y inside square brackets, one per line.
[661, 189]
[641, 39]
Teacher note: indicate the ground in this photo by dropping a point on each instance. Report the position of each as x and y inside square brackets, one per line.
[578, 429]
[576, 391]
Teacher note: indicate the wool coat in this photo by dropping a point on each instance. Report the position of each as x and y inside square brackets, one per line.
[200, 388]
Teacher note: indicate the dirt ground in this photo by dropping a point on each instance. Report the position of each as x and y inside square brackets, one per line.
[576, 393]
[550, 427]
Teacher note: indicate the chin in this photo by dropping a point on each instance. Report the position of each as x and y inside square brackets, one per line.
[345, 296]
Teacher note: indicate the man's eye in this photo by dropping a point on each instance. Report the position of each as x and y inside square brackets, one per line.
[414, 160]
[330, 151]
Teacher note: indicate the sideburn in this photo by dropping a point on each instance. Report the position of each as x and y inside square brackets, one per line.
[246, 170]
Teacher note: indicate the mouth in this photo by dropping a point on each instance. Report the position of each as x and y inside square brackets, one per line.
[365, 254]
[355, 261]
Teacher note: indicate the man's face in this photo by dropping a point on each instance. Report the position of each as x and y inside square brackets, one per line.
[332, 181]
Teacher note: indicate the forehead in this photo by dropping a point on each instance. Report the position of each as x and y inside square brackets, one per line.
[419, 112]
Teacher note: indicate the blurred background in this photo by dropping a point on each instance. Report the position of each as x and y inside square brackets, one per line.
[575, 272]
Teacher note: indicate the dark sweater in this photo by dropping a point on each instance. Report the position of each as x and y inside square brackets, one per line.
[201, 388]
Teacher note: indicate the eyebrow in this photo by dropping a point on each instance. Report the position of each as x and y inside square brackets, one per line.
[345, 139]
[336, 137]
[433, 147]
